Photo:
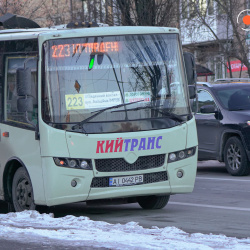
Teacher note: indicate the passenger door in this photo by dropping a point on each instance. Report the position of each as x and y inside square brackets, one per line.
[207, 128]
[18, 137]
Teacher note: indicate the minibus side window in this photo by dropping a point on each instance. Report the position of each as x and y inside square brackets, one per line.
[12, 113]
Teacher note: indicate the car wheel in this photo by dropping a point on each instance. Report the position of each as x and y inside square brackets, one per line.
[153, 202]
[22, 191]
[235, 157]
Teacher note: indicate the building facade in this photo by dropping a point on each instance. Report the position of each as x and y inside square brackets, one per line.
[213, 33]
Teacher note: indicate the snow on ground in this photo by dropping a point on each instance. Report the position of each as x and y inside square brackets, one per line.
[81, 231]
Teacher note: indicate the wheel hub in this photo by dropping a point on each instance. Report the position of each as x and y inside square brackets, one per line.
[234, 157]
[23, 194]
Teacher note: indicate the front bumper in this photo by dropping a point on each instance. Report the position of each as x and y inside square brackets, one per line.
[93, 185]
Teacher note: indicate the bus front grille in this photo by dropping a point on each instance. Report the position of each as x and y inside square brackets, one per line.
[120, 165]
[101, 182]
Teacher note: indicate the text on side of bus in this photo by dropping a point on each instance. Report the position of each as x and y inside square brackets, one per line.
[124, 145]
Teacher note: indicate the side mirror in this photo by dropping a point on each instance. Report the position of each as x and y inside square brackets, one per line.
[190, 67]
[206, 109]
[192, 91]
[24, 91]
[25, 104]
[24, 82]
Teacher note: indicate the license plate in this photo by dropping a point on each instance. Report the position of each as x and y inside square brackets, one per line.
[125, 180]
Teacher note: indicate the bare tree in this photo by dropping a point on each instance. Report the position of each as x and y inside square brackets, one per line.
[55, 12]
[148, 12]
[93, 10]
[112, 12]
[28, 8]
[219, 23]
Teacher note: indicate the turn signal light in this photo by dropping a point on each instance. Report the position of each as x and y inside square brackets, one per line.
[5, 134]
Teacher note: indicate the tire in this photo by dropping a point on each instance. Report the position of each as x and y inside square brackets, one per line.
[153, 202]
[22, 191]
[235, 157]
[10, 207]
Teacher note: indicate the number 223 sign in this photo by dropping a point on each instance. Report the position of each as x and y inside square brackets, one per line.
[74, 101]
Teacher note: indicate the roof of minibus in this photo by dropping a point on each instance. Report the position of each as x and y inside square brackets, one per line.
[54, 32]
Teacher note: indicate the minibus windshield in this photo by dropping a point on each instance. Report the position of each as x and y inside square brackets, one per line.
[88, 74]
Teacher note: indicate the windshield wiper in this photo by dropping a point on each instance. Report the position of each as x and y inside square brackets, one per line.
[138, 108]
[170, 115]
[61, 124]
[97, 112]
[178, 118]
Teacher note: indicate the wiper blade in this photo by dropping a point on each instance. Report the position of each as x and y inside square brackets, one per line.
[64, 123]
[170, 115]
[137, 108]
[97, 112]
[178, 118]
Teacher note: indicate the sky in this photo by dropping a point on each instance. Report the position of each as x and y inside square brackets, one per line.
[81, 231]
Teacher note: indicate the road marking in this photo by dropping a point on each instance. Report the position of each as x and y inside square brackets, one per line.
[221, 179]
[209, 206]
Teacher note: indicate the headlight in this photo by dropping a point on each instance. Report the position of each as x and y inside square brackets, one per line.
[84, 165]
[172, 157]
[180, 155]
[73, 163]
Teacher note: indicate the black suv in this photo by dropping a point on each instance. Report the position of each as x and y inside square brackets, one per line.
[223, 125]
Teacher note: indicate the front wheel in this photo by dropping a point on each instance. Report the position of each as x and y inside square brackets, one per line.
[153, 202]
[236, 160]
[22, 191]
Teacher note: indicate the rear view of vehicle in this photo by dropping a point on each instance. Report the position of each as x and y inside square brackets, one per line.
[113, 123]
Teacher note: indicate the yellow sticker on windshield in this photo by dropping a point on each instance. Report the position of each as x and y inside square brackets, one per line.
[74, 101]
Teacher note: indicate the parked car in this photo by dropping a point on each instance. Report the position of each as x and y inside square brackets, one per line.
[223, 125]
[231, 80]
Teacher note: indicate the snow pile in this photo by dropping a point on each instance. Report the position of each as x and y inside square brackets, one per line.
[81, 231]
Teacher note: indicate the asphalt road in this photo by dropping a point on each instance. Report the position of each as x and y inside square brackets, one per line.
[219, 204]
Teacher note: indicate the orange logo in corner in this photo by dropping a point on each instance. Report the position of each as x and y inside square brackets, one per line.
[244, 18]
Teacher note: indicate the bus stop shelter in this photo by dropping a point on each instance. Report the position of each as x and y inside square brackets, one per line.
[203, 71]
